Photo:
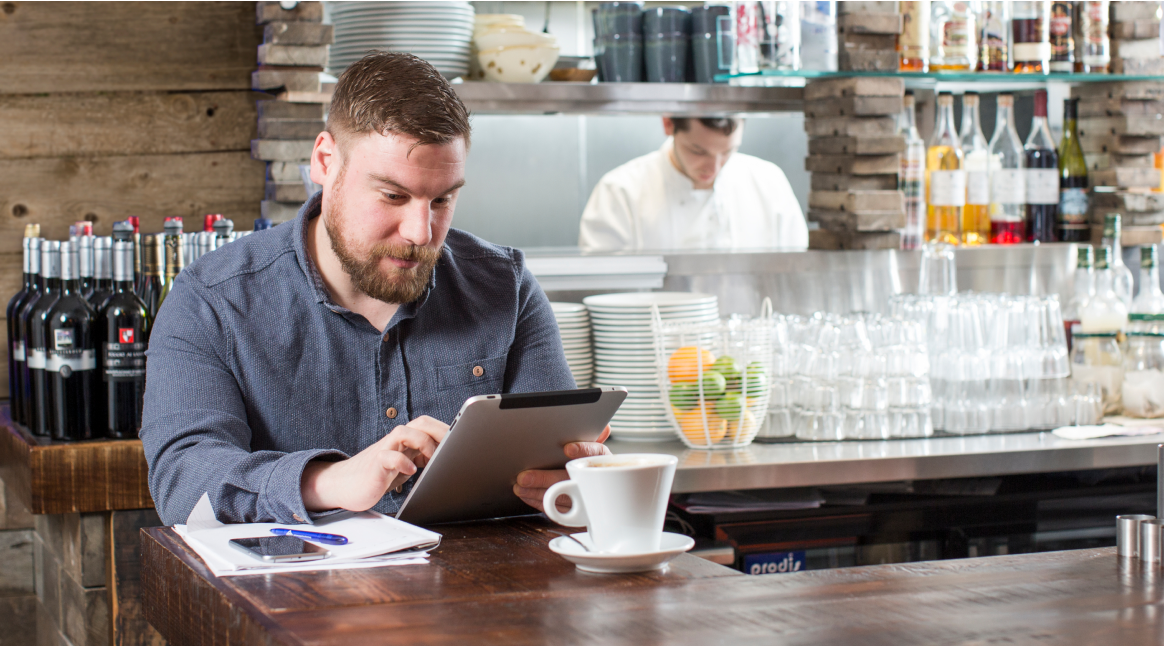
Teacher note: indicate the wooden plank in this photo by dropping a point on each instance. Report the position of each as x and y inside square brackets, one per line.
[1132, 29]
[1104, 161]
[1141, 48]
[858, 201]
[853, 165]
[279, 150]
[1126, 177]
[1135, 125]
[1099, 106]
[291, 80]
[292, 55]
[840, 182]
[847, 222]
[1123, 144]
[826, 240]
[1124, 11]
[278, 212]
[130, 627]
[285, 110]
[1139, 90]
[864, 8]
[123, 123]
[856, 145]
[298, 33]
[58, 191]
[860, 42]
[293, 192]
[850, 127]
[1145, 219]
[869, 23]
[867, 61]
[1138, 66]
[1131, 236]
[11, 278]
[853, 106]
[290, 128]
[1134, 201]
[4, 353]
[853, 86]
[302, 12]
[116, 46]
[283, 171]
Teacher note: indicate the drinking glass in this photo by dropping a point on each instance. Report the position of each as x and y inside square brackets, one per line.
[938, 274]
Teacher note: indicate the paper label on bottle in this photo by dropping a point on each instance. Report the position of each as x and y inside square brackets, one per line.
[36, 359]
[915, 27]
[18, 350]
[977, 187]
[1008, 186]
[123, 361]
[67, 362]
[1031, 52]
[1073, 205]
[947, 188]
[1042, 185]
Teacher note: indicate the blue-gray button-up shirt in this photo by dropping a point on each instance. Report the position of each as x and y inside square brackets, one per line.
[252, 370]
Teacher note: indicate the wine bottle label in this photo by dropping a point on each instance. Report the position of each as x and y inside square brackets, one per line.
[977, 187]
[947, 188]
[18, 350]
[915, 28]
[69, 361]
[1073, 205]
[1008, 186]
[1031, 52]
[123, 361]
[1042, 185]
[36, 359]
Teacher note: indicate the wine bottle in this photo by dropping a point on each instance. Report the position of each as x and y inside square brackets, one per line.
[913, 44]
[1150, 300]
[122, 332]
[976, 152]
[174, 260]
[1122, 281]
[1042, 176]
[137, 251]
[29, 287]
[85, 258]
[1073, 202]
[1092, 43]
[70, 363]
[1084, 288]
[945, 177]
[102, 271]
[1062, 38]
[40, 405]
[993, 36]
[1008, 192]
[1031, 45]
[222, 232]
[955, 45]
[1104, 311]
[152, 281]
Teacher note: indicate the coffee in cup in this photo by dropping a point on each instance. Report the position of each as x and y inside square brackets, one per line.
[620, 499]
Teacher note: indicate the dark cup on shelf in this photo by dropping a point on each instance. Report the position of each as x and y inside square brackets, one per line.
[665, 57]
[703, 19]
[613, 18]
[711, 47]
[622, 58]
[666, 20]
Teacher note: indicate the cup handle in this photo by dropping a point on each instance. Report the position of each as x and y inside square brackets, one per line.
[576, 517]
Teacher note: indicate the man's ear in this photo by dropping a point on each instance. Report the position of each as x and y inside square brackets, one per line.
[668, 126]
[325, 157]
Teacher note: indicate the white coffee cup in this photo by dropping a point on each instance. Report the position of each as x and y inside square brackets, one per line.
[620, 499]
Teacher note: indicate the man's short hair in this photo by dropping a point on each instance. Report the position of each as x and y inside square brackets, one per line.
[726, 125]
[394, 92]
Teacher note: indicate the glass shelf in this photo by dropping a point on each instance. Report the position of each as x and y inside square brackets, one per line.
[939, 81]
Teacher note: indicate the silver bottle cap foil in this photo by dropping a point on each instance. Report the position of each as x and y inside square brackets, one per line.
[70, 261]
[103, 257]
[50, 259]
[123, 260]
[85, 255]
[32, 255]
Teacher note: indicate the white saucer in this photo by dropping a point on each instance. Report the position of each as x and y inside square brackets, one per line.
[670, 546]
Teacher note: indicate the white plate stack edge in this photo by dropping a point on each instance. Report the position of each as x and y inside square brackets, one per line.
[438, 32]
[574, 327]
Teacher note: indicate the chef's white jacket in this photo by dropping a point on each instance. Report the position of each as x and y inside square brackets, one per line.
[648, 204]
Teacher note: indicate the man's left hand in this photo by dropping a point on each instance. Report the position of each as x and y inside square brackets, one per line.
[531, 485]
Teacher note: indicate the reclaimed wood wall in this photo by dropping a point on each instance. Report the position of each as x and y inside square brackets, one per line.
[112, 109]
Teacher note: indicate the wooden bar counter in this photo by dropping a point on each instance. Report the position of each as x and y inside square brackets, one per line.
[497, 583]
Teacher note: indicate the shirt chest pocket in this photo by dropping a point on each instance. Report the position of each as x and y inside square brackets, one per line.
[481, 377]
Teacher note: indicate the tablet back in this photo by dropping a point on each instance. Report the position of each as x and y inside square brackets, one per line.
[494, 438]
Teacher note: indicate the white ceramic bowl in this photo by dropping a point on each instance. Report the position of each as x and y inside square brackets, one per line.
[517, 64]
[485, 20]
[494, 38]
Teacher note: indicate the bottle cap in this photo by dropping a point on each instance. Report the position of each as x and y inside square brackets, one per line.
[84, 228]
[32, 230]
[135, 221]
[209, 219]
[172, 226]
[1040, 103]
[1148, 256]
[1086, 256]
[223, 227]
[1103, 258]
[123, 230]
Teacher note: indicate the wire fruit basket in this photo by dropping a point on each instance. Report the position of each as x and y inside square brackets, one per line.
[715, 377]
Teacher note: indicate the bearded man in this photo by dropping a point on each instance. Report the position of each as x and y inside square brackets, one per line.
[313, 368]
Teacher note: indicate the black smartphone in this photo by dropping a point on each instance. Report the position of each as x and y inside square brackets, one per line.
[280, 549]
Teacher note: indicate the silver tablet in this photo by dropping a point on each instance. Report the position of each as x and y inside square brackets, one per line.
[494, 438]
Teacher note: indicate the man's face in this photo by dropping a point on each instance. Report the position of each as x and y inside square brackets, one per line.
[700, 152]
[387, 209]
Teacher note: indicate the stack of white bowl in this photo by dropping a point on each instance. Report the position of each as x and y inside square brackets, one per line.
[438, 32]
[574, 326]
[505, 51]
[624, 354]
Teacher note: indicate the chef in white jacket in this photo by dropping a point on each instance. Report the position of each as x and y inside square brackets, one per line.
[696, 192]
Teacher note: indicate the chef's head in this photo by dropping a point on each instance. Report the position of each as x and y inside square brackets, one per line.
[703, 145]
[391, 163]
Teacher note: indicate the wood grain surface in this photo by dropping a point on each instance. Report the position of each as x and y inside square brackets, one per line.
[58, 191]
[62, 477]
[126, 123]
[115, 46]
[497, 584]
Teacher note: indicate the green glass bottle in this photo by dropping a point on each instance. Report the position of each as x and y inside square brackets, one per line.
[1073, 203]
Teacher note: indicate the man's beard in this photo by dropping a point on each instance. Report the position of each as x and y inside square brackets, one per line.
[393, 285]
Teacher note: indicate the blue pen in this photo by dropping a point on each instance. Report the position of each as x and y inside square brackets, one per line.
[330, 539]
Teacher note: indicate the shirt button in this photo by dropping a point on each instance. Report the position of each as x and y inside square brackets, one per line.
[478, 371]
[391, 413]
[296, 517]
[399, 489]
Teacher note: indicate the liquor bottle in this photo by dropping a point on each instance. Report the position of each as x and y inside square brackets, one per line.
[993, 34]
[137, 251]
[1042, 176]
[1092, 43]
[29, 287]
[102, 271]
[1150, 300]
[976, 153]
[1104, 311]
[1122, 280]
[911, 181]
[1073, 202]
[153, 281]
[122, 332]
[222, 232]
[953, 47]
[1030, 44]
[262, 224]
[818, 36]
[1084, 288]
[1062, 38]
[913, 44]
[39, 406]
[1008, 186]
[945, 177]
[779, 25]
[174, 260]
[85, 257]
[70, 364]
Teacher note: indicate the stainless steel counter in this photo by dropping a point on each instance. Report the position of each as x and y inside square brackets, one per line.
[809, 464]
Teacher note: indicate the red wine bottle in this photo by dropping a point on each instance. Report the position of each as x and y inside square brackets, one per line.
[1042, 174]
[152, 280]
[102, 272]
[40, 396]
[70, 363]
[122, 333]
[29, 289]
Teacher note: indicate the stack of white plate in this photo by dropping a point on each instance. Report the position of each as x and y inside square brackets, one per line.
[624, 353]
[438, 32]
[574, 326]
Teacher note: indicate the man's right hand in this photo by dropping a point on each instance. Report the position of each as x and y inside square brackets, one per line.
[359, 482]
